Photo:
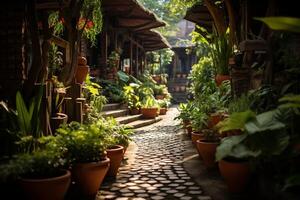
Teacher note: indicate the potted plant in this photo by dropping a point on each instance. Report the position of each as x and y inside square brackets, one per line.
[207, 147]
[113, 61]
[163, 104]
[199, 122]
[58, 95]
[85, 145]
[185, 110]
[149, 108]
[221, 50]
[262, 137]
[132, 99]
[40, 174]
[82, 70]
[115, 151]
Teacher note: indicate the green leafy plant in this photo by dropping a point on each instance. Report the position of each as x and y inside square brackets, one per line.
[185, 110]
[132, 99]
[43, 163]
[199, 119]
[28, 119]
[84, 143]
[239, 104]
[163, 103]
[149, 102]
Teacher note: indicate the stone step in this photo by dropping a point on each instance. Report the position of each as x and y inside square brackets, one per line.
[128, 118]
[143, 122]
[111, 106]
[115, 113]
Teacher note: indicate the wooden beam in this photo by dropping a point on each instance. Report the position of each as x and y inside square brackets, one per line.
[135, 42]
[136, 60]
[130, 56]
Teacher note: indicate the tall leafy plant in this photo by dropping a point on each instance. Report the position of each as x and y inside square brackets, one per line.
[28, 118]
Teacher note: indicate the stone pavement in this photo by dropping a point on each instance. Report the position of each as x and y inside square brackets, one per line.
[154, 169]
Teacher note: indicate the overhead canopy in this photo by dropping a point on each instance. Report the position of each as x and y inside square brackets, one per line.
[51, 4]
[130, 14]
[152, 40]
[200, 15]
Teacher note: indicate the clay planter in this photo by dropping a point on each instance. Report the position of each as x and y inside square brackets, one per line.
[89, 176]
[214, 119]
[196, 135]
[159, 96]
[220, 78]
[149, 113]
[207, 151]
[82, 60]
[57, 120]
[47, 189]
[236, 174]
[163, 111]
[134, 111]
[81, 73]
[115, 154]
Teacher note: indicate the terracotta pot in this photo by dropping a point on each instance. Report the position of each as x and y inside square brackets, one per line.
[163, 111]
[82, 60]
[149, 113]
[134, 111]
[196, 135]
[236, 174]
[89, 176]
[115, 154]
[57, 120]
[48, 188]
[81, 73]
[207, 151]
[220, 78]
[214, 119]
[159, 96]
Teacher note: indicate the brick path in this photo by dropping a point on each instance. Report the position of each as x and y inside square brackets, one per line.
[157, 171]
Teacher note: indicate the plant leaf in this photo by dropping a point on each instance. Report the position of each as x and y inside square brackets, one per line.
[236, 121]
[23, 114]
[233, 147]
[282, 23]
[264, 122]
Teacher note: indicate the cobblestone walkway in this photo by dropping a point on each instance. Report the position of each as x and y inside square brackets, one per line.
[157, 171]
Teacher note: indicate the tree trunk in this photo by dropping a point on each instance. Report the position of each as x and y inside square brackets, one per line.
[35, 67]
[217, 15]
[232, 22]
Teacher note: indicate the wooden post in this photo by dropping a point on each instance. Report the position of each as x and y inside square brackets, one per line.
[136, 61]
[131, 57]
[68, 108]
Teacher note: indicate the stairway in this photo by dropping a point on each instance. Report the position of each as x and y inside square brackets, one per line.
[177, 87]
[121, 114]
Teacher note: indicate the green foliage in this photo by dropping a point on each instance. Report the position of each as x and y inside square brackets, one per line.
[45, 163]
[163, 103]
[28, 118]
[264, 136]
[55, 59]
[83, 143]
[149, 102]
[92, 92]
[132, 99]
[185, 110]
[92, 14]
[239, 104]
[236, 121]
[199, 118]
[282, 23]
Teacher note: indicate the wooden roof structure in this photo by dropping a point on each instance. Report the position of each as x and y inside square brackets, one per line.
[152, 40]
[200, 15]
[131, 15]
